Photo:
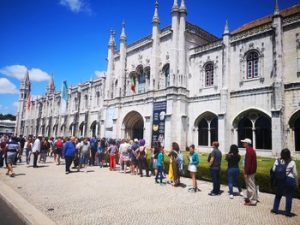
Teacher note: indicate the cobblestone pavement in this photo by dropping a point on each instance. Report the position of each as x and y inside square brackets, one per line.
[99, 196]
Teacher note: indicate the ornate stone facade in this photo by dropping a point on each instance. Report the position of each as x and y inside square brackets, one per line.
[245, 84]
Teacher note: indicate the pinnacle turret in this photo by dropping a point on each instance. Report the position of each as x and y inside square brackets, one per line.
[112, 38]
[226, 28]
[175, 6]
[277, 10]
[182, 8]
[155, 16]
[123, 33]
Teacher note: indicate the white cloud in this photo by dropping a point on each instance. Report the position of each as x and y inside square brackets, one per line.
[7, 87]
[15, 104]
[99, 74]
[19, 71]
[76, 6]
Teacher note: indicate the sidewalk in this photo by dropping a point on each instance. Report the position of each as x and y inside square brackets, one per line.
[99, 196]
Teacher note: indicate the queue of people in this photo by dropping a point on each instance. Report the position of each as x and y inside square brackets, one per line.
[132, 158]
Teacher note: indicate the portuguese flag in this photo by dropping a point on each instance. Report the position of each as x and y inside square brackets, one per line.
[133, 83]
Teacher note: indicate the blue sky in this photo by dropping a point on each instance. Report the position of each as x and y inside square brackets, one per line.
[68, 38]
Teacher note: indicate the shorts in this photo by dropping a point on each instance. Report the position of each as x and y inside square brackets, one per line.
[192, 168]
[154, 163]
[134, 161]
[11, 157]
[101, 155]
[59, 151]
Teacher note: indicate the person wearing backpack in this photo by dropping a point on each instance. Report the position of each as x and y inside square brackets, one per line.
[285, 174]
[59, 144]
[175, 163]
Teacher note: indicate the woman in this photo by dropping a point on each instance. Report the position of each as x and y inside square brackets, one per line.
[233, 158]
[12, 149]
[174, 163]
[45, 146]
[194, 162]
[142, 158]
[112, 151]
[155, 150]
[287, 185]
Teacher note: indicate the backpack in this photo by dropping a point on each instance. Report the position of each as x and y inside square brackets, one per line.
[59, 144]
[180, 162]
[278, 176]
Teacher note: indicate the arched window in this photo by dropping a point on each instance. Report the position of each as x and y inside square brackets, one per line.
[141, 79]
[147, 77]
[252, 65]
[208, 129]
[263, 133]
[166, 73]
[214, 129]
[203, 132]
[209, 75]
[244, 130]
[86, 102]
[97, 98]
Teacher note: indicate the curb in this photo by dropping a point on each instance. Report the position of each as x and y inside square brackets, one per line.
[26, 212]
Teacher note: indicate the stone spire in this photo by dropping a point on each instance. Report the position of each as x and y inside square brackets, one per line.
[182, 8]
[277, 10]
[25, 84]
[112, 39]
[155, 16]
[226, 28]
[50, 87]
[122, 70]
[175, 6]
[110, 65]
[123, 34]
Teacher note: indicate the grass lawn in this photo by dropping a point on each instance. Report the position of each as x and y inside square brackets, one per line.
[264, 165]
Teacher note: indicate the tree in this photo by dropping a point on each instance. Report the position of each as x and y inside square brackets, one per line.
[7, 117]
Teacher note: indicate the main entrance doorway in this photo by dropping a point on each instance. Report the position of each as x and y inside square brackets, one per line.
[133, 125]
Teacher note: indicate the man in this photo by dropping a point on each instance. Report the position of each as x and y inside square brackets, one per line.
[69, 153]
[94, 147]
[36, 148]
[249, 173]
[214, 161]
[132, 156]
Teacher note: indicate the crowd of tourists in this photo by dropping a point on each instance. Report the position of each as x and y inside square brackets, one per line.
[131, 155]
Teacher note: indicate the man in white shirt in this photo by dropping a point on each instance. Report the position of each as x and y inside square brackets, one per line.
[36, 148]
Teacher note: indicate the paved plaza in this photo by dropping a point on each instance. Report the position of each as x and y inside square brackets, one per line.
[98, 196]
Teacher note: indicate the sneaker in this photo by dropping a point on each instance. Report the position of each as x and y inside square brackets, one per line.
[241, 194]
[231, 196]
[274, 211]
[212, 194]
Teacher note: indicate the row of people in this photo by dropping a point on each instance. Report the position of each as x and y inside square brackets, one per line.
[133, 154]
